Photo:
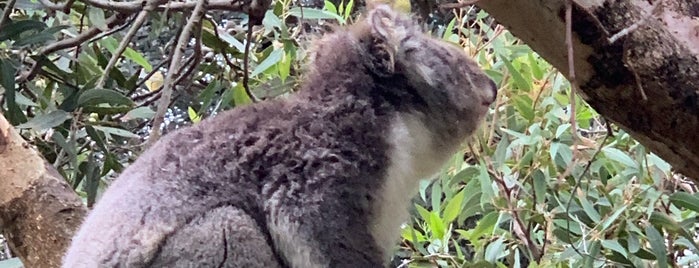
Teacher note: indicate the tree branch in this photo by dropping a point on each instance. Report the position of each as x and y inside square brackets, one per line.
[140, 18]
[168, 84]
[6, 13]
[39, 211]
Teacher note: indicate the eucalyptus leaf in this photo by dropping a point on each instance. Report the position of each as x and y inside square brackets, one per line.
[46, 121]
[116, 131]
[268, 62]
[98, 96]
[312, 13]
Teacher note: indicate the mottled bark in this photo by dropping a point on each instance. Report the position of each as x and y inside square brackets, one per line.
[39, 212]
[646, 81]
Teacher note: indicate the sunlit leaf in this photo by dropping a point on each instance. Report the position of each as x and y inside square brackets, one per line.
[451, 211]
[312, 13]
[268, 62]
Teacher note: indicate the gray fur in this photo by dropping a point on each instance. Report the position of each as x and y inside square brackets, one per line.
[307, 181]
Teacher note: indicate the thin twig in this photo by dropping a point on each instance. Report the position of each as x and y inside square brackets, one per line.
[195, 59]
[168, 85]
[67, 43]
[6, 13]
[246, 63]
[655, 11]
[131, 7]
[577, 186]
[140, 18]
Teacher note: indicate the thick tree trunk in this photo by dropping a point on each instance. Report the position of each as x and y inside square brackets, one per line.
[39, 212]
[646, 81]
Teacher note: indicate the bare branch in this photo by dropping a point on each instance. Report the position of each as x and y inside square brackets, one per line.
[246, 63]
[67, 43]
[168, 84]
[132, 7]
[127, 39]
[122, 46]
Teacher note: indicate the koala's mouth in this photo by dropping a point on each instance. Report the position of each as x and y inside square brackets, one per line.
[487, 103]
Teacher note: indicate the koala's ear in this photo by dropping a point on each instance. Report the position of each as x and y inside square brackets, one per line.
[382, 20]
[383, 48]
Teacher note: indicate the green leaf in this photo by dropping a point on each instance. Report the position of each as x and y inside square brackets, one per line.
[138, 58]
[437, 226]
[685, 200]
[240, 96]
[97, 137]
[608, 221]
[451, 211]
[495, 250]
[524, 105]
[561, 129]
[659, 163]
[47, 121]
[39, 38]
[96, 16]
[660, 219]
[111, 44]
[139, 113]
[348, 9]
[484, 226]
[589, 259]
[657, 244]
[615, 246]
[270, 21]
[98, 96]
[312, 13]
[15, 28]
[589, 209]
[330, 7]
[540, 184]
[619, 156]
[268, 62]
[424, 213]
[519, 80]
[7, 76]
[193, 116]
[116, 131]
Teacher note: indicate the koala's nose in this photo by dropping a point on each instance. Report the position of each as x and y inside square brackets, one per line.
[493, 90]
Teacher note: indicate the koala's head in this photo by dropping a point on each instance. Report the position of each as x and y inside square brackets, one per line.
[446, 86]
[386, 54]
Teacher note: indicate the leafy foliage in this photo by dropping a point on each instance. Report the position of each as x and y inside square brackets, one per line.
[524, 192]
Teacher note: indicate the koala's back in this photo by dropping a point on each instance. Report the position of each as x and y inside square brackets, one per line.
[207, 193]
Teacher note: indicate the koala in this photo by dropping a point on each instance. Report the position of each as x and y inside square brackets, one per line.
[321, 178]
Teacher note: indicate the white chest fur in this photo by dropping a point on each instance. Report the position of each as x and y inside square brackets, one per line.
[412, 157]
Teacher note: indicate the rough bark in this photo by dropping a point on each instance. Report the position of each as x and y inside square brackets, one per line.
[39, 211]
[658, 60]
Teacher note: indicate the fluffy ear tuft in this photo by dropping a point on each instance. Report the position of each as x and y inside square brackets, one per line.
[382, 20]
[387, 28]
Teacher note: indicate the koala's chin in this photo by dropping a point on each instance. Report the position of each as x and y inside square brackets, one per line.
[320, 179]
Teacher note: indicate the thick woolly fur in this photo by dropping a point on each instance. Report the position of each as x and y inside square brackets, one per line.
[322, 178]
